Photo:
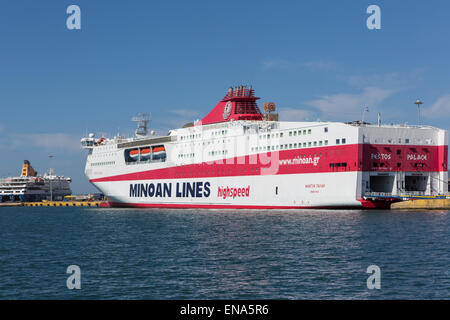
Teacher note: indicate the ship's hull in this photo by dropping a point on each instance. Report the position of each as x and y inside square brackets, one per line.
[316, 190]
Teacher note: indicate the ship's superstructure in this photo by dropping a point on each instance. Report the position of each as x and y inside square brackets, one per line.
[238, 157]
[33, 187]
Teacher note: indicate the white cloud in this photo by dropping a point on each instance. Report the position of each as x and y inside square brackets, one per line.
[345, 103]
[47, 141]
[388, 80]
[440, 109]
[177, 118]
[185, 113]
[292, 114]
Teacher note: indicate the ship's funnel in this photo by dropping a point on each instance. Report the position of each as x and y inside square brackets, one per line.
[238, 104]
[27, 170]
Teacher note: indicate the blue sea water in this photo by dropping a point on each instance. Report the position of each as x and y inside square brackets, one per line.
[223, 254]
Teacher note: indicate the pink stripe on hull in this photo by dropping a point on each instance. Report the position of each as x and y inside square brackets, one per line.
[356, 157]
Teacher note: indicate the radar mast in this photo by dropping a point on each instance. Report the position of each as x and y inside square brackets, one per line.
[142, 123]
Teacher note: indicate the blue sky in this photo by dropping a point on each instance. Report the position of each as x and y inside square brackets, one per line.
[176, 59]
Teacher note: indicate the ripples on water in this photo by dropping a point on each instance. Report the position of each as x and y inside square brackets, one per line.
[217, 254]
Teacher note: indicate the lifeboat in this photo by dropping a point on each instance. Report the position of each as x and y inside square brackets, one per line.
[134, 154]
[145, 154]
[158, 150]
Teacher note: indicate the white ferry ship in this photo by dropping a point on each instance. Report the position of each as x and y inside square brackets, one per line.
[31, 187]
[239, 157]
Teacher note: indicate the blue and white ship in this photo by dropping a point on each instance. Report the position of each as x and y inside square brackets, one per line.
[30, 186]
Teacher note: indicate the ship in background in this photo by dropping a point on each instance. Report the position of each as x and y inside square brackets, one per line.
[238, 157]
[30, 186]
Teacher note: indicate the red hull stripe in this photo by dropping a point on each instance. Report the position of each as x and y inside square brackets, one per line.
[354, 157]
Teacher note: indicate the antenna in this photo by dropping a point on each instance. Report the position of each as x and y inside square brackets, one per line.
[51, 161]
[142, 120]
[366, 109]
[418, 102]
[50, 178]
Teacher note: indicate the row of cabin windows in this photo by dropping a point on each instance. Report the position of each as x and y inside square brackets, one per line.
[339, 141]
[186, 155]
[428, 141]
[103, 155]
[299, 156]
[107, 163]
[420, 165]
[205, 143]
[198, 135]
[262, 136]
[268, 136]
[191, 136]
[399, 140]
[210, 153]
[219, 152]
[280, 134]
[291, 145]
[217, 133]
[338, 165]
[299, 132]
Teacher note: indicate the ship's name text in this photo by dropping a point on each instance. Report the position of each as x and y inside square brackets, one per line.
[416, 157]
[198, 189]
[380, 156]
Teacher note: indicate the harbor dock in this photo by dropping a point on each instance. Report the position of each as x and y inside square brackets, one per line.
[11, 204]
[53, 204]
[422, 204]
